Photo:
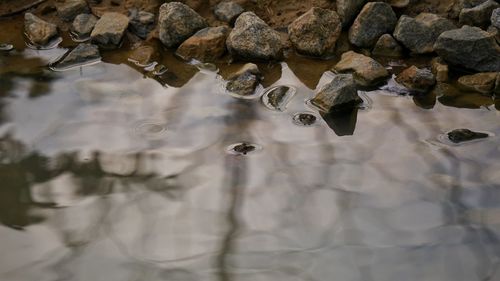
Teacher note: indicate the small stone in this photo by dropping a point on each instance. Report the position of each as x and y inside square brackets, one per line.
[479, 15]
[366, 71]
[206, 45]
[38, 31]
[228, 11]
[83, 53]
[304, 119]
[495, 18]
[69, 9]
[244, 81]
[349, 9]
[374, 20]
[440, 69]
[83, 25]
[177, 22]
[463, 135]
[338, 96]
[387, 46]
[416, 79]
[483, 83]
[141, 22]
[315, 32]
[109, 29]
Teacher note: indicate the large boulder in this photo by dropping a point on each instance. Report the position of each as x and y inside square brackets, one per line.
[177, 22]
[420, 33]
[315, 32]
[416, 79]
[483, 83]
[38, 31]
[69, 9]
[206, 45]
[469, 47]
[374, 20]
[366, 71]
[349, 9]
[109, 29]
[228, 11]
[479, 15]
[340, 95]
[253, 39]
[387, 46]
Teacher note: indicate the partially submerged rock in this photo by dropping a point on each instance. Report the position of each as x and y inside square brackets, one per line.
[177, 22]
[420, 33]
[479, 15]
[483, 83]
[469, 47]
[143, 56]
[463, 135]
[338, 96]
[83, 25]
[349, 9]
[253, 39]
[387, 46]
[244, 81]
[205, 45]
[374, 20]
[366, 71]
[69, 9]
[38, 31]
[82, 54]
[141, 22]
[315, 32]
[416, 79]
[440, 69]
[228, 11]
[109, 29]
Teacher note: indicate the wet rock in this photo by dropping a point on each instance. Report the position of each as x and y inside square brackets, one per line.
[366, 71]
[109, 29]
[143, 56]
[469, 47]
[277, 98]
[440, 69]
[253, 39]
[483, 83]
[338, 96]
[479, 15]
[416, 79]
[69, 9]
[83, 53]
[374, 20]
[315, 32]
[244, 81]
[304, 119]
[387, 46]
[349, 9]
[38, 31]
[83, 25]
[495, 18]
[141, 22]
[205, 45]
[420, 33]
[242, 148]
[399, 3]
[177, 22]
[228, 11]
[463, 135]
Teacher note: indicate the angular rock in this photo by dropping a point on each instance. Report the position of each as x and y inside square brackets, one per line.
[462, 135]
[83, 25]
[374, 20]
[69, 9]
[387, 46]
[38, 31]
[469, 47]
[177, 22]
[366, 71]
[440, 69]
[416, 79]
[479, 15]
[340, 95]
[83, 53]
[228, 11]
[253, 39]
[109, 29]
[420, 33]
[141, 22]
[315, 32]
[244, 81]
[483, 83]
[495, 18]
[349, 9]
[206, 45]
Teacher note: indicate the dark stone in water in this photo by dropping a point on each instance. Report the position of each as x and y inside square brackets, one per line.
[244, 148]
[243, 85]
[462, 135]
[304, 119]
[278, 97]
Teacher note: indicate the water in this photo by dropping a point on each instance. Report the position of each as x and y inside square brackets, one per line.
[109, 173]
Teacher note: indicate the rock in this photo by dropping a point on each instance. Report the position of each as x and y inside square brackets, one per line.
[387, 46]
[440, 69]
[141, 22]
[366, 71]
[315, 32]
[483, 83]
[349, 9]
[416, 79]
[177, 22]
[143, 56]
[479, 15]
[469, 47]
[69, 9]
[83, 53]
[253, 39]
[340, 95]
[374, 20]
[109, 29]
[206, 45]
[83, 25]
[420, 33]
[399, 3]
[463, 135]
[463, 4]
[244, 81]
[495, 18]
[228, 11]
[38, 31]
[496, 91]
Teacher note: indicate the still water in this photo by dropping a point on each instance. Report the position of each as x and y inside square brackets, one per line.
[108, 174]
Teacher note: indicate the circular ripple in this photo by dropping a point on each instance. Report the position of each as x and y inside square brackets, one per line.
[150, 129]
[6, 47]
[243, 148]
[304, 119]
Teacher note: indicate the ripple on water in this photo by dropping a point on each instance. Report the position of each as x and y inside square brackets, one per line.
[277, 98]
[54, 43]
[150, 129]
[243, 148]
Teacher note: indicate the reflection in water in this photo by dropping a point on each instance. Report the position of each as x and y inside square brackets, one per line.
[342, 124]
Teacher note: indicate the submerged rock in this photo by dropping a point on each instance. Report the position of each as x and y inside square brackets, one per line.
[244, 81]
[483, 83]
[253, 39]
[416, 79]
[228, 11]
[349, 9]
[479, 15]
[83, 53]
[38, 31]
[420, 33]
[374, 20]
[69, 9]
[366, 71]
[387, 46]
[440, 69]
[141, 22]
[469, 47]
[109, 29]
[463, 135]
[177, 22]
[205, 45]
[315, 32]
[143, 56]
[83, 25]
[338, 96]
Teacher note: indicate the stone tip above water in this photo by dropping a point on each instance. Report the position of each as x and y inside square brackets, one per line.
[338, 96]
[463, 135]
[177, 22]
[416, 79]
[38, 31]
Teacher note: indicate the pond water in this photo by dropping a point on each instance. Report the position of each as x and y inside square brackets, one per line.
[108, 173]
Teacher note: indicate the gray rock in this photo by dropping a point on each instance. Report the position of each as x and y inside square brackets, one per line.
[463, 4]
[315, 32]
[416, 79]
[205, 45]
[366, 71]
[479, 15]
[495, 18]
[462, 135]
[228, 11]
[177, 22]
[69, 9]
[109, 29]
[349, 9]
[469, 47]
[340, 95]
[419, 34]
[387, 46]
[374, 20]
[244, 81]
[83, 25]
[141, 22]
[83, 53]
[38, 31]
[253, 39]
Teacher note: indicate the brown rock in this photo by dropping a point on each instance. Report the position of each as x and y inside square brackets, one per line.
[206, 45]
[416, 79]
[366, 71]
[38, 31]
[483, 83]
[440, 69]
[109, 29]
